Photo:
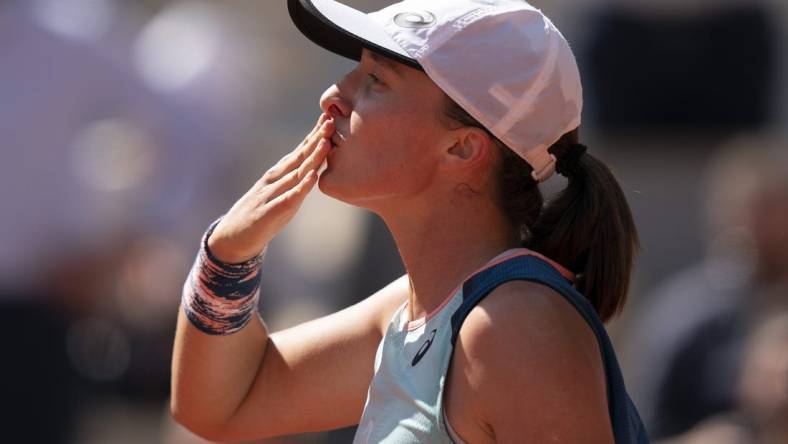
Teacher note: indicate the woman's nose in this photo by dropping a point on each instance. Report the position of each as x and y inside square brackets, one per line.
[332, 103]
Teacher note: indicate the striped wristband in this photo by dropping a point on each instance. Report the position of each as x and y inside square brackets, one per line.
[220, 298]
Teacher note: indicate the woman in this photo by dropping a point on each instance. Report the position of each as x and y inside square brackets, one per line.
[483, 340]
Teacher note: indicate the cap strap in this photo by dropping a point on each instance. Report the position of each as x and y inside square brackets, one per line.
[542, 162]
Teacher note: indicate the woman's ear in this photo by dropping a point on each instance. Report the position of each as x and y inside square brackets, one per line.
[471, 147]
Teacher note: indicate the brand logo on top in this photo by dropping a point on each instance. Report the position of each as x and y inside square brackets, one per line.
[423, 349]
[418, 19]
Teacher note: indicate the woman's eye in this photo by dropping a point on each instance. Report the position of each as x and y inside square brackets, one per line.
[374, 78]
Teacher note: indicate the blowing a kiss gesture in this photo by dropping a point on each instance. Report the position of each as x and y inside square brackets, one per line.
[273, 200]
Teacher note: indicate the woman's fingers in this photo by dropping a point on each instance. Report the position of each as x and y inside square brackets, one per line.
[323, 117]
[309, 138]
[291, 179]
[316, 158]
[292, 198]
[302, 153]
[284, 183]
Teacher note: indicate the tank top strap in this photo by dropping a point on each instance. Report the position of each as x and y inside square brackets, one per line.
[628, 428]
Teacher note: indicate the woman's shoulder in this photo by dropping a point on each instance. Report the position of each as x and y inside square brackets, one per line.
[530, 313]
[524, 348]
[535, 331]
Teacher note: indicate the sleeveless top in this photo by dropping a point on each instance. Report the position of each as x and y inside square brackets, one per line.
[405, 398]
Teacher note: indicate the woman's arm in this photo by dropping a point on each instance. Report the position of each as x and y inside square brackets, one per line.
[248, 385]
[311, 377]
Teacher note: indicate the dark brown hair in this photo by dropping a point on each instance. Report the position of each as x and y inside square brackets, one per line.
[587, 227]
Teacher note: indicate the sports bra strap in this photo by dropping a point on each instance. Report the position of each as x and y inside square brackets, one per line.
[628, 428]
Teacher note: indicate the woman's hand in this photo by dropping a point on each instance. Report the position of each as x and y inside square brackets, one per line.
[273, 200]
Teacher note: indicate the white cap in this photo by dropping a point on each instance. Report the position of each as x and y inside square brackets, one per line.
[502, 61]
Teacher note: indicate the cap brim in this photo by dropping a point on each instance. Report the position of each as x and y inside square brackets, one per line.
[344, 30]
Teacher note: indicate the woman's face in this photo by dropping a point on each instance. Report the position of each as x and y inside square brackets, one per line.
[388, 132]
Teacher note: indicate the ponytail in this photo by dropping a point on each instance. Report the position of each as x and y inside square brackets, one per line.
[587, 227]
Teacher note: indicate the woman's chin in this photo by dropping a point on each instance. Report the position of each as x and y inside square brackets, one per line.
[331, 185]
[328, 184]
[324, 182]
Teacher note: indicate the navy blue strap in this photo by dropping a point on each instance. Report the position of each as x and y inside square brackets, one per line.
[627, 425]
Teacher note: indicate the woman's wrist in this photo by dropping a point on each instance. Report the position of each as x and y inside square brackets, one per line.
[221, 252]
[219, 298]
[226, 260]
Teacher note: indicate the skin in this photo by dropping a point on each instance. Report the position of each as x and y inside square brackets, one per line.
[524, 369]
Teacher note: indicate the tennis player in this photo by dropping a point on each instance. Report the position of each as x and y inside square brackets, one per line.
[455, 113]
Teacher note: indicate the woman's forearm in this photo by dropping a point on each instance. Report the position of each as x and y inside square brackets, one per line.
[211, 374]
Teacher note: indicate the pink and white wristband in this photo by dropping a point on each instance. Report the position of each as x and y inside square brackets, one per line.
[220, 298]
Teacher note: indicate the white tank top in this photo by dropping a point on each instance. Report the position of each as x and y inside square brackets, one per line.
[405, 398]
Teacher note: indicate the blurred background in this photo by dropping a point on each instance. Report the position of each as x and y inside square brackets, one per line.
[126, 127]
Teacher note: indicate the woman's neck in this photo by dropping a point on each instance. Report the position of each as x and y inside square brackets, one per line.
[442, 244]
